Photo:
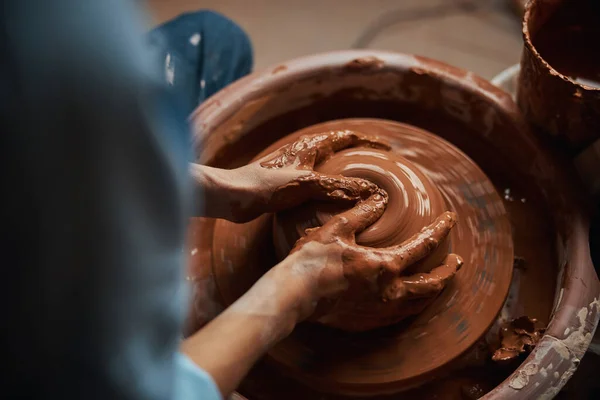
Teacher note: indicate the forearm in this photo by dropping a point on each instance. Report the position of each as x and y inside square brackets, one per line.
[223, 192]
[107, 198]
[233, 342]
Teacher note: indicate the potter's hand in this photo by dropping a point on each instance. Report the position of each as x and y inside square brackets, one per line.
[323, 265]
[330, 260]
[283, 179]
[287, 176]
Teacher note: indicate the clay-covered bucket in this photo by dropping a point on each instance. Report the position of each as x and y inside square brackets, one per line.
[236, 123]
[558, 105]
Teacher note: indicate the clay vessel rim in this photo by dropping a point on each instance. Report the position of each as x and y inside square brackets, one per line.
[529, 44]
[229, 100]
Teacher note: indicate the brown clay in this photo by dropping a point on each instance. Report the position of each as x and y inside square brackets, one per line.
[414, 202]
[550, 228]
[559, 84]
[517, 337]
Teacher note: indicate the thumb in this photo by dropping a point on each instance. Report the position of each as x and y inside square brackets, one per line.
[338, 187]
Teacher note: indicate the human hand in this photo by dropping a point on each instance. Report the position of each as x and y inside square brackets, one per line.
[332, 265]
[286, 177]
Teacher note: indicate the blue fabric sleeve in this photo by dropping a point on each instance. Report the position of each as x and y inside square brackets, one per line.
[94, 166]
[192, 382]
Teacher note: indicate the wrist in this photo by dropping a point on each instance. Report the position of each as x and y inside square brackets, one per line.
[225, 193]
[246, 194]
[276, 301]
[301, 295]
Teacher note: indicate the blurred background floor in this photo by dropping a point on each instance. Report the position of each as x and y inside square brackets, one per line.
[483, 36]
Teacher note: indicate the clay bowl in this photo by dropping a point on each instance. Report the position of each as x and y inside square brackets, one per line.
[561, 105]
[550, 224]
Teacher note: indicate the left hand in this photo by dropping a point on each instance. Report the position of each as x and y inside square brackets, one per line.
[286, 177]
[330, 262]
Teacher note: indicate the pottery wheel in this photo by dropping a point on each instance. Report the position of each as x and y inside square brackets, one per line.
[421, 347]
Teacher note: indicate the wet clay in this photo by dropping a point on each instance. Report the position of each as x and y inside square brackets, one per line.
[411, 351]
[518, 337]
[569, 41]
[414, 202]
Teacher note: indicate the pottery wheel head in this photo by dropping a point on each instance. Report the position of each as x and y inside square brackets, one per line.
[424, 176]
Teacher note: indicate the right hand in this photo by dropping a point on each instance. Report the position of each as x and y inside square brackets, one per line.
[329, 260]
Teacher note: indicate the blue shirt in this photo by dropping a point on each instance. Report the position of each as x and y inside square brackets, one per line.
[95, 200]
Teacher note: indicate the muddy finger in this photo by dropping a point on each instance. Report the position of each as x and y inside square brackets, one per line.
[323, 146]
[424, 284]
[338, 187]
[423, 243]
[341, 140]
[358, 218]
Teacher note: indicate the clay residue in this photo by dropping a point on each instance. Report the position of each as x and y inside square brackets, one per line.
[316, 186]
[518, 336]
[578, 338]
[365, 63]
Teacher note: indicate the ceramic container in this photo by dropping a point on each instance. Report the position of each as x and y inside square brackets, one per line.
[554, 103]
